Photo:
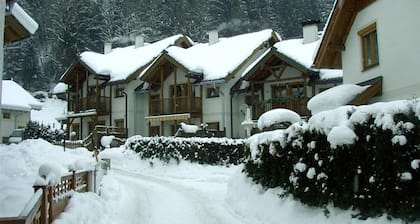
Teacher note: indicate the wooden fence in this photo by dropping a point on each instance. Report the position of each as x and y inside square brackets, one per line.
[49, 201]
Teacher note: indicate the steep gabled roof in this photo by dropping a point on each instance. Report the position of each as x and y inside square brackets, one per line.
[123, 64]
[18, 24]
[15, 97]
[291, 53]
[336, 32]
[220, 60]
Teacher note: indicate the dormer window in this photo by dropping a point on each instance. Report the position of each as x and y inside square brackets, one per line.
[369, 41]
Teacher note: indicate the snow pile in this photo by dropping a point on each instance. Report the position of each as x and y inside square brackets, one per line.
[334, 97]
[61, 87]
[277, 116]
[85, 208]
[188, 128]
[20, 168]
[106, 141]
[51, 172]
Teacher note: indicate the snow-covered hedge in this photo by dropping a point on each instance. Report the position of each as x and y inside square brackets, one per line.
[364, 157]
[213, 151]
[35, 130]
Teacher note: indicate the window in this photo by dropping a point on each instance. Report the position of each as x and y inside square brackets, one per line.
[369, 41]
[6, 115]
[119, 91]
[119, 123]
[154, 131]
[91, 91]
[213, 126]
[211, 92]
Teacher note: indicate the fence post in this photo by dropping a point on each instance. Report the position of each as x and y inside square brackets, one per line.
[74, 181]
[50, 203]
[44, 203]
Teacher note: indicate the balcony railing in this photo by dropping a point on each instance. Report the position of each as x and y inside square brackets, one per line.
[100, 103]
[298, 105]
[176, 105]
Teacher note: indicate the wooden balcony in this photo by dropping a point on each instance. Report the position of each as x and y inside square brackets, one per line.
[298, 105]
[175, 106]
[100, 103]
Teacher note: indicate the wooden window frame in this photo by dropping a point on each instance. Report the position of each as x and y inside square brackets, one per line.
[210, 124]
[212, 93]
[7, 115]
[119, 91]
[121, 121]
[369, 33]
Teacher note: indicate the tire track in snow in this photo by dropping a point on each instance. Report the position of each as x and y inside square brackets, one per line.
[163, 201]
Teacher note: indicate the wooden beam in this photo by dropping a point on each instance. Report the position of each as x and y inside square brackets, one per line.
[161, 91]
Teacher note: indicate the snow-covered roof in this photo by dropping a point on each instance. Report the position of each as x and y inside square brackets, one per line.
[15, 97]
[218, 60]
[122, 62]
[24, 19]
[304, 54]
[334, 97]
[61, 87]
[300, 53]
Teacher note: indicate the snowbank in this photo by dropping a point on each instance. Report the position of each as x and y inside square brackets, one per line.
[277, 116]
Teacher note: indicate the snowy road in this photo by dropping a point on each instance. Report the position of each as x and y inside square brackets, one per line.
[152, 199]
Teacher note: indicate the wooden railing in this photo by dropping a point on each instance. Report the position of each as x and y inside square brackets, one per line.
[181, 104]
[100, 103]
[92, 140]
[49, 201]
[291, 103]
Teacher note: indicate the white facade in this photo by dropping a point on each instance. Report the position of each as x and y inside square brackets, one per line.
[399, 51]
[12, 119]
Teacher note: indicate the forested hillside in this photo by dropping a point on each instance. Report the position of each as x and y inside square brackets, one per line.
[69, 27]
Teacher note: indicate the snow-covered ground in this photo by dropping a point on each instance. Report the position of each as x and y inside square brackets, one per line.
[136, 192]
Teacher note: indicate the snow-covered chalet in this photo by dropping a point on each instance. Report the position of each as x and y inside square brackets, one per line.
[283, 77]
[16, 106]
[375, 43]
[103, 88]
[193, 85]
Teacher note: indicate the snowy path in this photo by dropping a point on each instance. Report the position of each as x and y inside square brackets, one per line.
[163, 200]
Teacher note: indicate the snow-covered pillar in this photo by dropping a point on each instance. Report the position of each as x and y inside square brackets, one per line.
[107, 47]
[2, 15]
[213, 36]
[139, 41]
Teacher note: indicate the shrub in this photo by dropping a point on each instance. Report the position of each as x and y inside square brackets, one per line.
[212, 151]
[375, 174]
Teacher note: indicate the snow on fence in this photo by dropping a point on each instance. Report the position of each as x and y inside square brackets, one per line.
[50, 200]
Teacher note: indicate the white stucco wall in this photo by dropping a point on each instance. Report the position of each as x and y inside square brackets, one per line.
[399, 51]
[18, 119]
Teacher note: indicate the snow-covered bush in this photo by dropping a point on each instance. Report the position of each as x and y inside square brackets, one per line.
[213, 151]
[352, 157]
[34, 130]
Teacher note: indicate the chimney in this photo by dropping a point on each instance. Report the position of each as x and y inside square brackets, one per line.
[310, 31]
[139, 41]
[107, 47]
[213, 36]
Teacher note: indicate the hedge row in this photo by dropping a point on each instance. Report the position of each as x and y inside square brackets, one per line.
[377, 174]
[212, 151]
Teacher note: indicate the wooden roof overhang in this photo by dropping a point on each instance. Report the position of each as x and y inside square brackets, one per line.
[336, 32]
[165, 62]
[374, 89]
[268, 64]
[13, 30]
[183, 42]
[274, 38]
[76, 73]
